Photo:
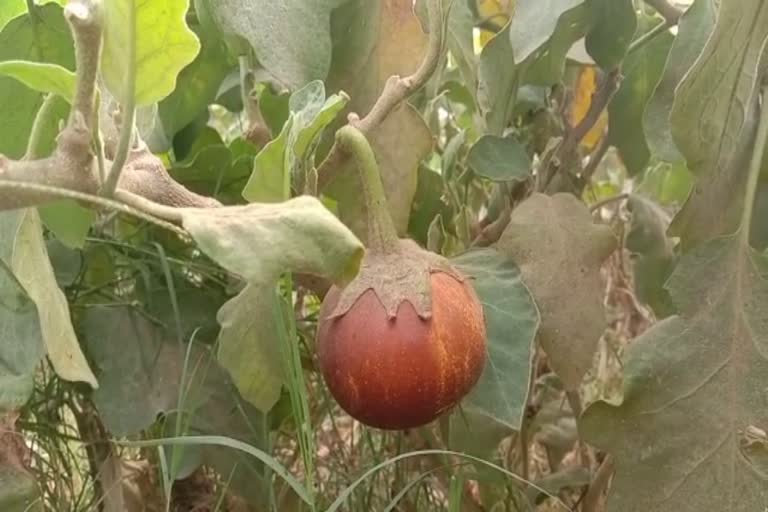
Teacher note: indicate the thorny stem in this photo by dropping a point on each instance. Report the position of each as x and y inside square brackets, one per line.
[382, 236]
[128, 112]
[396, 90]
[755, 165]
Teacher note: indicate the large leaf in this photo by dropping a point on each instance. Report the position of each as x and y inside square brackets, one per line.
[511, 321]
[534, 23]
[9, 9]
[614, 24]
[559, 251]
[377, 39]
[33, 269]
[694, 392]
[713, 120]
[21, 343]
[290, 153]
[163, 45]
[291, 38]
[642, 70]
[692, 32]
[42, 37]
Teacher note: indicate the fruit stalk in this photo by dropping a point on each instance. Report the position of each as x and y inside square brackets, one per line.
[382, 235]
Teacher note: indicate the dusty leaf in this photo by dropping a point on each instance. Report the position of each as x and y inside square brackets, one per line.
[713, 120]
[164, 45]
[694, 28]
[559, 251]
[497, 82]
[261, 241]
[390, 42]
[21, 343]
[511, 320]
[694, 389]
[34, 271]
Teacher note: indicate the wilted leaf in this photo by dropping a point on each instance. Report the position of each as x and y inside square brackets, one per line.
[511, 321]
[583, 90]
[642, 70]
[694, 386]
[614, 23]
[713, 120]
[248, 346]
[534, 22]
[694, 28]
[499, 159]
[44, 37]
[559, 251]
[266, 25]
[389, 42]
[32, 268]
[41, 77]
[261, 241]
[164, 45]
[21, 344]
[290, 153]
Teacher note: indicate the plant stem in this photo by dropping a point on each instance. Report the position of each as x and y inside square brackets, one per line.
[649, 36]
[128, 112]
[755, 165]
[43, 117]
[382, 236]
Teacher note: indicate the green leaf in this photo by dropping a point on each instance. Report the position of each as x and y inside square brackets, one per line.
[534, 23]
[68, 221]
[497, 82]
[248, 346]
[266, 25]
[41, 77]
[694, 391]
[291, 152]
[33, 269]
[21, 343]
[642, 70]
[653, 253]
[44, 37]
[713, 118]
[546, 66]
[614, 24]
[9, 9]
[512, 321]
[499, 159]
[557, 247]
[693, 30]
[163, 44]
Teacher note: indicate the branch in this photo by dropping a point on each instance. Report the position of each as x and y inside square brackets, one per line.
[396, 90]
[84, 17]
[667, 11]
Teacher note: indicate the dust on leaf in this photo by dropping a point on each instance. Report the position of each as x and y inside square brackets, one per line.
[559, 251]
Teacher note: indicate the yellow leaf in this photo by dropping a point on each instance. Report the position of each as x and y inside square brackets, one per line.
[582, 98]
[493, 11]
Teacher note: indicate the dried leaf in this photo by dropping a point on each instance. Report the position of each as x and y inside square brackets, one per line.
[559, 251]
